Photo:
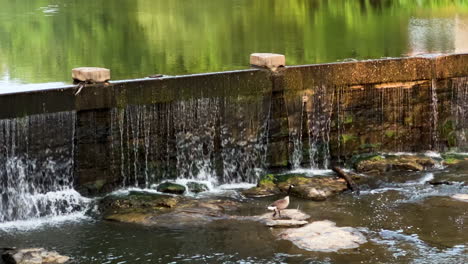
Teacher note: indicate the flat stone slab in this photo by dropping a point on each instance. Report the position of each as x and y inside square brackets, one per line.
[267, 60]
[323, 236]
[285, 223]
[460, 197]
[289, 218]
[91, 74]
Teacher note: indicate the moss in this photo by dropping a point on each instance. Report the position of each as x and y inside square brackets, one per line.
[409, 120]
[348, 119]
[266, 180]
[453, 158]
[347, 138]
[451, 161]
[362, 157]
[390, 133]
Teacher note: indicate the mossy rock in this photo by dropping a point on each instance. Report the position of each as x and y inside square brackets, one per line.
[196, 187]
[168, 187]
[316, 188]
[453, 158]
[395, 163]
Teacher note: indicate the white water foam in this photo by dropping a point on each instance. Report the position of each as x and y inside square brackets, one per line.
[309, 171]
[36, 223]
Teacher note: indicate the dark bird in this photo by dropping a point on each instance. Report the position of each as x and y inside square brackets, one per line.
[280, 204]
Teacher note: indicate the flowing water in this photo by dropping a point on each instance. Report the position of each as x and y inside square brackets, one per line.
[404, 219]
[36, 167]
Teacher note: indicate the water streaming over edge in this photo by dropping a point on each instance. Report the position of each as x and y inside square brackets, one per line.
[36, 167]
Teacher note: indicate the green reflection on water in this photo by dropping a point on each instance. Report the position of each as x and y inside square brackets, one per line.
[42, 40]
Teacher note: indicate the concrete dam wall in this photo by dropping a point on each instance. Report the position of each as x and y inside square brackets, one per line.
[228, 127]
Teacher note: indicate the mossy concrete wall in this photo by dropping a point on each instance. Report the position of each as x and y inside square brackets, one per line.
[312, 113]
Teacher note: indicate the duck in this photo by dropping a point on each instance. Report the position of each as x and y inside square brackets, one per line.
[280, 204]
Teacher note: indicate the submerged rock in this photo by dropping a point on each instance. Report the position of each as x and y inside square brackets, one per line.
[168, 187]
[461, 197]
[380, 164]
[323, 236]
[314, 188]
[197, 187]
[33, 256]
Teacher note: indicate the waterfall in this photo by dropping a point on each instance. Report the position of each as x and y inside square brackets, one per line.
[459, 112]
[36, 167]
[319, 110]
[219, 140]
[434, 116]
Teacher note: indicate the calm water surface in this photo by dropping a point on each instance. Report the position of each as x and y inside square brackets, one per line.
[42, 40]
[404, 220]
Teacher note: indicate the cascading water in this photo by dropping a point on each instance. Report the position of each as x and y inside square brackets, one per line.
[36, 167]
[217, 140]
[319, 110]
[459, 112]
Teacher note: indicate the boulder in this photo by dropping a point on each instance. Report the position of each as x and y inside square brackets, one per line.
[380, 164]
[314, 188]
[165, 211]
[266, 187]
[323, 236]
[460, 197]
[33, 256]
[196, 187]
[168, 187]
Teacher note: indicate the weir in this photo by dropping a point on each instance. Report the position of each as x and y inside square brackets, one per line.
[226, 127]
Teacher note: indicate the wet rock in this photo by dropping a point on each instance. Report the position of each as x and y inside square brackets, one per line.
[314, 188]
[196, 187]
[165, 211]
[33, 256]
[323, 236]
[266, 187]
[141, 200]
[380, 164]
[168, 187]
[289, 218]
[461, 197]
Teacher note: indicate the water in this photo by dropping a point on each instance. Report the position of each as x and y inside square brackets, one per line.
[38, 183]
[211, 139]
[137, 38]
[404, 220]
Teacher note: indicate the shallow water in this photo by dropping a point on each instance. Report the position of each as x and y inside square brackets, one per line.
[42, 40]
[404, 220]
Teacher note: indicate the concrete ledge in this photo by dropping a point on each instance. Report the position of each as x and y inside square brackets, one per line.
[91, 74]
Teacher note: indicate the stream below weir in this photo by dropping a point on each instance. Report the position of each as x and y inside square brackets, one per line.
[404, 219]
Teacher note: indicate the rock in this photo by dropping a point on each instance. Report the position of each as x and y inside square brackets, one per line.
[169, 187]
[316, 188]
[381, 164]
[461, 197]
[289, 218]
[285, 223]
[323, 236]
[165, 211]
[33, 256]
[196, 187]
[91, 74]
[266, 187]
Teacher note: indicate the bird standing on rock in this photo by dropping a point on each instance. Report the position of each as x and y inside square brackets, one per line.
[280, 204]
